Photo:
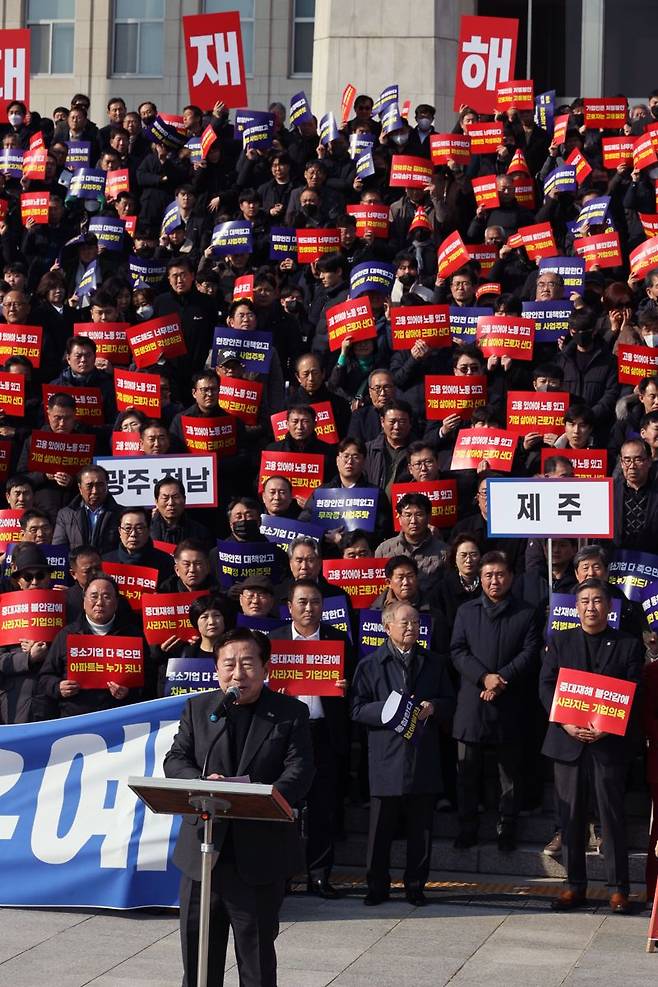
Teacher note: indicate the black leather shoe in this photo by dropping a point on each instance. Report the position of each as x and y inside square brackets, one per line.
[374, 898]
[416, 898]
[465, 840]
[323, 889]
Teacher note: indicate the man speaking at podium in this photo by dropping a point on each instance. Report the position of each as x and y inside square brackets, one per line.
[266, 736]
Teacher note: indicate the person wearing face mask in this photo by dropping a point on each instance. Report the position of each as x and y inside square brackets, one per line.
[330, 202]
[244, 525]
[407, 280]
[143, 303]
[16, 113]
[403, 211]
[590, 370]
[419, 136]
[508, 214]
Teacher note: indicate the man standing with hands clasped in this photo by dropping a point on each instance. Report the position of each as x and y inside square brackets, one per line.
[586, 756]
[405, 775]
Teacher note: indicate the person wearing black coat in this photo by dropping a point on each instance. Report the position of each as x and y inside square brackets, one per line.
[585, 756]
[136, 545]
[494, 646]
[590, 371]
[330, 733]
[405, 777]
[92, 517]
[635, 499]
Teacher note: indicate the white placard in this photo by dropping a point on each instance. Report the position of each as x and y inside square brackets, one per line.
[565, 508]
[132, 478]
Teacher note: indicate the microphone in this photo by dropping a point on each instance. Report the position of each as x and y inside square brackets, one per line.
[231, 696]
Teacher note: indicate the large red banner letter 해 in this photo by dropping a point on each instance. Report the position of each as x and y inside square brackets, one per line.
[215, 63]
[14, 68]
[485, 57]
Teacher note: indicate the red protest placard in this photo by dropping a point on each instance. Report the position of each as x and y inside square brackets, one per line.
[137, 390]
[346, 103]
[442, 495]
[486, 191]
[244, 288]
[560, 125]
[12, 394]
[578, 161]
[600, 250]
[164, 546]
[110, 339]
[524, 190]
[304, 470]
[5, 458]
[537, 411]
[217, 435]
[307, 668]
[352, 318]
[156, 339]
[644, 154]
[488, 288]
[132, 580]
[10, 521]
[130, 223]
[644, 258]
[493, 446]
[617, 151]
[34, 205]
[88, 402]
[16, 68]
[34, 163]
[214, 58]
[538, 240]
[605, 114]
[208, 138]
[486, 55]
[241, 398]
[60, 452]
[649, 223]
[506, 335]
[116, 182]
[429, 323]
[31, 615]
[408, 171]
[486, 138]
[312, 244]
[483, 255]
[126, 444]
[519, 93]
[449, 395]
[370, 219]
[587, 463]
[325, 424]
[93, 660]
[634, 363]
[167, 615]
[452, 254]
[583, 698]
[450, 147]
[19, 340]
[362, 579]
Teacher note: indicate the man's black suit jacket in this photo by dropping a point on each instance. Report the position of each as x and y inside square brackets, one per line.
[336, 711]
[277, 752]
[621, 657]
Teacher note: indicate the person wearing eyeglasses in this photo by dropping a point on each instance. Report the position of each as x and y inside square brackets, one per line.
[365, 423]
[136, 545]
[59, 695]
[416, 540]
[405, 777]
[20, 662]
[311, 388]
[635, 498]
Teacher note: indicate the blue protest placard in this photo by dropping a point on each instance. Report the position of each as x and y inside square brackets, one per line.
[188, 674]
[283, 242]
[234, 237]
[372, 634]
[87, 183]
[561, 180]
[334, 612]
[282, 530]
[160, 132]
[171, 218]
[545, 111]
[254, 348]
[78, 154]
[258, 130]
[649, 601]
[237, 560]
[360, 143]
[356, 507]
[564, 617]
[146, 271]
[391, 94]
[391, 118]
[328, 129]
[194, 147]
[570, 269]
[79, 836]
[57, 557]
[109, 231]
[632, 572]
[300, 109]
[371, 276]
[365, 166]
[594, 212]
[551, 319]
[11, 162]
[463, 322]
[87, 282]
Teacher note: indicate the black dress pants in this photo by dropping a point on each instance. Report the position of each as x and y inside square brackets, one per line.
[322, 803]
[416, 811]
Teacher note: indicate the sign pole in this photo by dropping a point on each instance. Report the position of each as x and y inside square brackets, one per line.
[549, 562]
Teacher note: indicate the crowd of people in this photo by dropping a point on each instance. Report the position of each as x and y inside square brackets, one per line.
[484, 674]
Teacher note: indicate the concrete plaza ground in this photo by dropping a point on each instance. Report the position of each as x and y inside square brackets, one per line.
[485, 933]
